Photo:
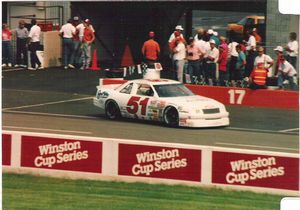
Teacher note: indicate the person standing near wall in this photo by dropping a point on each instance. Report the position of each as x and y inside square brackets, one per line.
[34, 45]
[67, 32]
[6, 46]
[179, 58]
[77, 44]
[251, 52]
[292, 49]
[194, 54]
[88, 39]
[263, 61]
[22, 36]
[151, 50]
[212, 59]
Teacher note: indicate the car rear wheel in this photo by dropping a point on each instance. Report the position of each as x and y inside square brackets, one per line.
[171, 117]
[112, 110]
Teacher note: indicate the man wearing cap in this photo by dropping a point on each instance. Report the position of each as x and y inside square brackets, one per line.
[67, 32]
[179, 29]
[279, 53]
[263, 61]
[22, 35]
[179, 55]
[87, 40]
[212, 59]
[287, 72]
[80, 27]
[151, 50]
[76, 43]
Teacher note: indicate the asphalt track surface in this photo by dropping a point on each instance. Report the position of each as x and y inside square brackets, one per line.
[60, 101]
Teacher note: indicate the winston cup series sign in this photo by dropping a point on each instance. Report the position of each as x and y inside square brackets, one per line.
[256, 170]
[159, 162]
[6, 149]
[62, 154]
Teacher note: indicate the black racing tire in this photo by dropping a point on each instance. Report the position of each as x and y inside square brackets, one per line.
[171, 117]
[112, 110]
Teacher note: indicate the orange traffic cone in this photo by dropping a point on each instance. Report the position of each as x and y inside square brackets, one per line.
[94, 66]
[127, 59]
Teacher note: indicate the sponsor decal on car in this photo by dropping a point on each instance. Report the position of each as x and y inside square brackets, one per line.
[64, 154]
[160, 162]
[256, 170]
[103, 94]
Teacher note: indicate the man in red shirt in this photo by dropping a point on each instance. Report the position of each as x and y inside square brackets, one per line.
[151, 50]
[88, 39]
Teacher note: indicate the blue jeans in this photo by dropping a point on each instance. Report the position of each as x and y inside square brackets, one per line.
[292, 60]
[86, 55]
[68, 48]
[193, 69]
[77, 53]
[6, 52]
[292, 84]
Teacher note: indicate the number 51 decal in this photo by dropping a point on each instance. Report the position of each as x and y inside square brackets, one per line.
[236, 96]
[133, 105]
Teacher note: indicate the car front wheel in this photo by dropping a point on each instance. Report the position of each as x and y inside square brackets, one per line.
[112, 110]
[171, 117]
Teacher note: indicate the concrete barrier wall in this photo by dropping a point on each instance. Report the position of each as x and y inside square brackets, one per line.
[240, 96]
[151, 162]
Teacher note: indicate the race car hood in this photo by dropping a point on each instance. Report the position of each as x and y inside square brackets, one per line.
[194, 102]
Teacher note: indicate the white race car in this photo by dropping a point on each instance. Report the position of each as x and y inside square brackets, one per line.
[162, 100]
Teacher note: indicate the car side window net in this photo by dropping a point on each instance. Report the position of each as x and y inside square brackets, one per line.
[145, 90]
[127, 89]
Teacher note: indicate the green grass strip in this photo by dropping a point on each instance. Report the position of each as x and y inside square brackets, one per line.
[43, 193]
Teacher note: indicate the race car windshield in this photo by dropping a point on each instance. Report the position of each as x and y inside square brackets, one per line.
[172, 90]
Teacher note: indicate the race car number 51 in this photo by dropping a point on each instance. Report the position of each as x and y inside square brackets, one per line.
[134, 103]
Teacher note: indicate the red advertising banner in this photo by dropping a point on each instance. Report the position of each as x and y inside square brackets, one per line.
[6, 149]
[159, 162]
[62, 154]
[248, 97]
[255, 170]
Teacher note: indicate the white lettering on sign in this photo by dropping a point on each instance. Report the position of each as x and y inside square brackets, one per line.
[61, 153]
[236, 96]
[260, 168]
[148, 162]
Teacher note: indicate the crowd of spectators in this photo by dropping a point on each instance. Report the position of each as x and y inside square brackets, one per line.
[77, 37]
[206, 58]
[210, 59]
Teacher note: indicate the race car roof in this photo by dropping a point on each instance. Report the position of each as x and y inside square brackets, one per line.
[156, 81]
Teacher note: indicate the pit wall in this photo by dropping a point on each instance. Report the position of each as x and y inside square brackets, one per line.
[79, 157]
[240, 96]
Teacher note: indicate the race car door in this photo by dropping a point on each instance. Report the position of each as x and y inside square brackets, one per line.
[138, 104]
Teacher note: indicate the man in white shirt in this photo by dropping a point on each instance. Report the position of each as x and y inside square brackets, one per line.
[34, 45]
[212, 59]
[264, 61]
[292, 49]
[250, 48]
[67, 32]
[179, 58]
[287, 72]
